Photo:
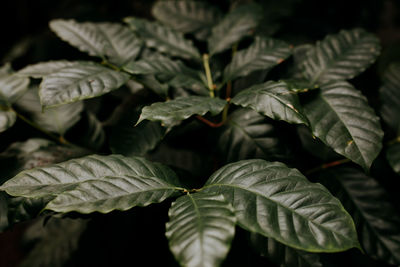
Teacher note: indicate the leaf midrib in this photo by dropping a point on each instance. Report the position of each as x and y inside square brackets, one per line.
[279, 204]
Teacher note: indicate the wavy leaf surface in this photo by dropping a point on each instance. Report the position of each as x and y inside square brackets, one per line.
[200, 229]
[278, 202]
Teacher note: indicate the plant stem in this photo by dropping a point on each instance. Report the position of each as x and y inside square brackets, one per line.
[209, 123]
[327, 165]
[208, 74]
[60, 139]
[393, 141]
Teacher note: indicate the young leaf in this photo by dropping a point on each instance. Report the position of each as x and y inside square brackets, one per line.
[339, 115]
[393, 156]
[57, 119]
[263, 54]
[278, 202]
[12, 87]
[283, 255]
[172, 112]
[390, 97]
[187, 16]
[341, 56]
[247, 135]
[96, 183]
[110, 40]
[7, 119]
[233, 27]
[79, 82]
[376, 219]
[201, 229]
[163, 39]
[272, 99]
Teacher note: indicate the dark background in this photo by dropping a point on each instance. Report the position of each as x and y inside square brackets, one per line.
[26, 39]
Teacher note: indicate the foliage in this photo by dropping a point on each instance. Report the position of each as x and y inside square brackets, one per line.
[205, 114]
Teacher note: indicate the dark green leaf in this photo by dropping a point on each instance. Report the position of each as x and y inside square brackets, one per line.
[187, 16]
[162, 38]
[110, 40]
[393, 156]
[201, 229]
[157, 66]
[341, 56]
[263, 54]
[12, 87]
[42, 69]
[284, 255]
[32, 153]
[96, 183]
[340, 116]
[130, 140]
[56, 241]
[376, 219]
[247, 135]
[57, 119]
[172, 112]
[79, 82]
[7, 119]
[278, 202]
[272, 99]
[92, 135]
[390, 97]
[233, 27]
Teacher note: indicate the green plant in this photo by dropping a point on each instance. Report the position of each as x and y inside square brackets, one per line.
[221, 96]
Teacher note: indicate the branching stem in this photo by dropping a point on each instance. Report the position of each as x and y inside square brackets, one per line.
[327, 165]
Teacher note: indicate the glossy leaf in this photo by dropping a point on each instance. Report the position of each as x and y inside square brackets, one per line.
[393, 156]
[341, 56]
[157, 66]
[42, 69]
[200, 229]
[272, 99]
[390, 97]
[7, 119]
[233, 27]
[284, 255]
[263, 54]
[105, 40]
[56, 119]
[96, 183]
[248, 135]
[340, 116]
[162, 38]
[56, 241]
[278, 202]
[75, 83]
[172, 112]
[376, 219]
[12, 87]
[187, 16]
